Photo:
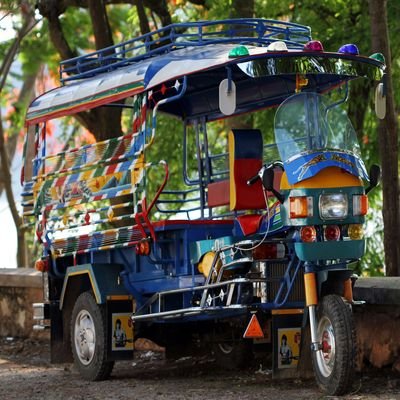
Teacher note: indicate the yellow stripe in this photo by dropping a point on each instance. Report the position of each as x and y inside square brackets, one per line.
[86, 271]
[287, 311]
[119, 297]
[137, 170]
[86, 175]
[330, 177]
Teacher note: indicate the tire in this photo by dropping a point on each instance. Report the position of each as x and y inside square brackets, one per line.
[334, 363]
[231, 351]
[89, 339]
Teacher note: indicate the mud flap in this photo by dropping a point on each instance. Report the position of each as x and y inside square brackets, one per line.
[286, 340]
[120, 334]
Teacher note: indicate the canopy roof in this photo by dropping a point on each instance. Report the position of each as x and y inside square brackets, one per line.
[263, 78]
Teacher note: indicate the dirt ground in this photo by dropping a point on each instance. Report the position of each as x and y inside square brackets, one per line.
[25, 373]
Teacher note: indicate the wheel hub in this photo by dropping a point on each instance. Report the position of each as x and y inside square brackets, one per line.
[326, 354]
[85, 337]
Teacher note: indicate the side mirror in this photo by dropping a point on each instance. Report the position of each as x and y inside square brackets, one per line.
[227, 96]
[374, 177]
[380, 101]
[268, 183]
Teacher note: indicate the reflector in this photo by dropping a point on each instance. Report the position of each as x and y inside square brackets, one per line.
[253, 330]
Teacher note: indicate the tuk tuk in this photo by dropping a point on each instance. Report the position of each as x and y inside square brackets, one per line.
[253, 248]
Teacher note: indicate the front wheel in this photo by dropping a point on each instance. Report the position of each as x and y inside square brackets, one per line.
[89, 339]
[334, 362]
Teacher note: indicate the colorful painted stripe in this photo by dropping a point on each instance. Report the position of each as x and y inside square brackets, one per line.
[85, 103]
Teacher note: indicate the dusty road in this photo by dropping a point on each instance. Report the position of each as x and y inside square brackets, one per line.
[25, 373]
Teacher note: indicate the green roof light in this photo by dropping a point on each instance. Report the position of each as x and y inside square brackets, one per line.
[239, 51]
[378, 57]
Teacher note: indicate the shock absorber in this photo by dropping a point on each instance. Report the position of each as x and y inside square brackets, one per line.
[310, 285]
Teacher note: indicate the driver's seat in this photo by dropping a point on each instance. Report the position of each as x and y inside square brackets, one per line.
[245, 160]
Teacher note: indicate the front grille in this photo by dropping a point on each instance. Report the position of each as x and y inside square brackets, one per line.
[275, 272]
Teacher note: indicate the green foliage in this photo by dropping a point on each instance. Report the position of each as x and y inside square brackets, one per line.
[36, 50]
[372, 264]
[77, 28]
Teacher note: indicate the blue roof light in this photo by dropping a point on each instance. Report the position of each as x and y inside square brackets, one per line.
[349, 49]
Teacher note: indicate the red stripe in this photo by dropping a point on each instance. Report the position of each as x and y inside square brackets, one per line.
[110, 169]
[61, 181]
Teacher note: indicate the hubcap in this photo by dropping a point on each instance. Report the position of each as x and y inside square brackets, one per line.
[225, 347]
[326, 355]
[84, 337]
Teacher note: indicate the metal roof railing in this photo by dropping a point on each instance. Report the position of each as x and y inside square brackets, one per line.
[257, 31]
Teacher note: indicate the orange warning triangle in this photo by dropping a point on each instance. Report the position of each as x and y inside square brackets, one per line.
[253, 329]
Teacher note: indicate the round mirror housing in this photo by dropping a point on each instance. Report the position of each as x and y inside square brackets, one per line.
[227, 97]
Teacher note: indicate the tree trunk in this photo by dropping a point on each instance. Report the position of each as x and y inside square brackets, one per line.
[143, 20]
[7, 181]
[25, 96]
[242, 9]
[28, 25]
[388, 143]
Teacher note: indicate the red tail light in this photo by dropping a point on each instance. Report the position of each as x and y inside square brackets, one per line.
[308, 234]
[143, 248]
[268, 251]
[42, 265]
[332, 232]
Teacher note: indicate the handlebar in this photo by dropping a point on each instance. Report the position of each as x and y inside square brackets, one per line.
[253, 180]
[260, 173]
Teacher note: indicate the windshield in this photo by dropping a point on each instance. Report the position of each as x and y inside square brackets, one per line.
[305, 122]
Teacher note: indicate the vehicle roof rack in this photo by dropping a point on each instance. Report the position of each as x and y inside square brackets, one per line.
[251, 31]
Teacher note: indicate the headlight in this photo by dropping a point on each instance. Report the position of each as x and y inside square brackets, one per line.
[333, 206]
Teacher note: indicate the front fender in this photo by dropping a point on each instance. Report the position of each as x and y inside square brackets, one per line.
[332, 282]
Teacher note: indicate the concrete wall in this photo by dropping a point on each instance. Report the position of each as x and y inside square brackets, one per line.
[19, 288]
[378, 322]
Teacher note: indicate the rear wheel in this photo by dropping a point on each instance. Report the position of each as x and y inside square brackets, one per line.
[89, 339]
[231, 351]
[334, 363]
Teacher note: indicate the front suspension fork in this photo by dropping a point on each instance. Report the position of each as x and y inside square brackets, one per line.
[310, 284]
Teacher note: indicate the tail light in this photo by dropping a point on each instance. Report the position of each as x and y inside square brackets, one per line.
[308, 234]
[143, 248]
[332, 232]
[301, 207]
[360, 204]
[269, 251]
[42, 265]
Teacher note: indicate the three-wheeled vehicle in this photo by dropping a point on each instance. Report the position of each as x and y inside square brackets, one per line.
[252, 247]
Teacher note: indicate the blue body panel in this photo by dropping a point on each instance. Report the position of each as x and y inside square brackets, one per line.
[169, 265]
